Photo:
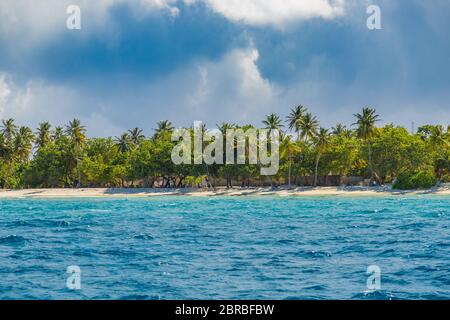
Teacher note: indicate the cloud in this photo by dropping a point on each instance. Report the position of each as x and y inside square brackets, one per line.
[35, 100]
[229, 89]
[232, 86]
[275, 12]
[37, 21]
[142, 66]
[4, 90]
[142, 7]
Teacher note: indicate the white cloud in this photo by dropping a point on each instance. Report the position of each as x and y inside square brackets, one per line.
[35, 21]
[36, 101]
[231, 89]
[275, 12]
[234, 86]
[4, 89]
[143, 7]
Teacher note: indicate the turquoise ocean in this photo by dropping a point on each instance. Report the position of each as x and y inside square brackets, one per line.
[226, 248]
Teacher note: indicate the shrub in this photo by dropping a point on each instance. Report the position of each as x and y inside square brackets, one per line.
[415, 180]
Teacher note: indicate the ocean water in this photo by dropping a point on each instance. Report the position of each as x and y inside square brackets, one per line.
[226, 248]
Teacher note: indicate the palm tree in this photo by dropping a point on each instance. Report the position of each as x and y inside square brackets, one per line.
[201, 131]
[43, 137]
[273, 122]
[6, 156]
[341, 130]
[123, 143]
[136, 136]
[308, 127]
[438, 136]
[163, 126]
[6, 150]
[338, 129]
[365, 123]
[204, 128]
[58, 133]
[76, 133]
[8, 129]
[288, 148]
[224, 126]
[322, 141]
[23, 143]
[295, 119]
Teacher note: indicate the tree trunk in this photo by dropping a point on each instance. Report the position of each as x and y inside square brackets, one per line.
[208, 184]
[316, 170]
[10, 172]
[341, 173]
[78, 172]
[180, 182]
[290, 164]
[370, 161]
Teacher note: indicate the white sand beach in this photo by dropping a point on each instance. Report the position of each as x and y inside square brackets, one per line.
[282, 192]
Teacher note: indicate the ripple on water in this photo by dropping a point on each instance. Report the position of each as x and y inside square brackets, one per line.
[374, 295]
[13, 240]
[143, 236]
[311, 254]
[39, 223]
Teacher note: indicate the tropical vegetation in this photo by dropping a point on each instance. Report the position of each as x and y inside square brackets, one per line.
[52, 157]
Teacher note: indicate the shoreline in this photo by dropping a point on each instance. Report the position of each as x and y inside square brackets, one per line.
[281, 192]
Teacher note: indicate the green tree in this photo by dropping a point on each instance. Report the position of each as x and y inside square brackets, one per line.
[342, 155]
[124, 143]
[43, 135]
[163, 127]
[58, 133]
[8, 129]
[288, 149]
[308, 127]
[49, 168]
[136, 136]
[295, 119]
[77, 135]
[321, 142]
[23, 144]
[273, 122]
[365, 123]
[395, 151]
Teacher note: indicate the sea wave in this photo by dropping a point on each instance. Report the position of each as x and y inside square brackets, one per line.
[12, 240]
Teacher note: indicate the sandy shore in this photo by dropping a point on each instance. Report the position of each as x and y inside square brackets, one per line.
[282, 192]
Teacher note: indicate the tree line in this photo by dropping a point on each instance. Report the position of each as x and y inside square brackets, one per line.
[65, 156]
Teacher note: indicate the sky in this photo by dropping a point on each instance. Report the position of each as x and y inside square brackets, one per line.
[136, 62]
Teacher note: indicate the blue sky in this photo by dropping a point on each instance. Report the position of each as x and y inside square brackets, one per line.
[134, 63]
